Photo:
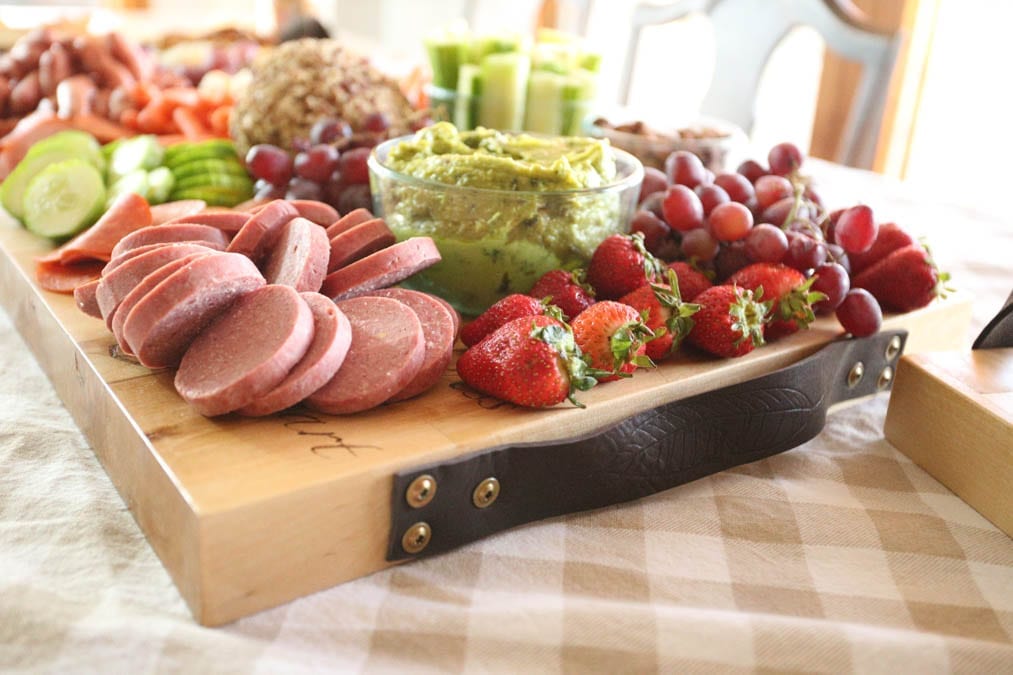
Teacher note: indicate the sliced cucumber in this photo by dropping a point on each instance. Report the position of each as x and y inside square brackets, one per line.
[469, 95]
[182, 153]
[544, 113]
[139, 152]
[78, 143]
[12, 190]
[161, 183]
[230, 166]
[64, 198]
[136, 181]
[222, 180]
[504, 90]
[213, 196]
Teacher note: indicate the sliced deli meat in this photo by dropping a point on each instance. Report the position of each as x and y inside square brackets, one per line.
[358, 242]
[332, 337]
[127, 213]
[169, 211]
[438, 332]
[262, 229]
[164, 322]
[453, 312]
[59, 278]
[247, 351]
[84, 298]
[381, 269]
[299, 257]
[192, 246]
[317, 212]
[387, 352]
[348, 221]
[226, 221]
[172, 233]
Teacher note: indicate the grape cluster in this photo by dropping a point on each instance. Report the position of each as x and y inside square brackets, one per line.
[721, 223]
[330, 166]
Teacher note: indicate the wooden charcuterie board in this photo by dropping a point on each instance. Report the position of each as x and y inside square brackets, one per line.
[246, 514]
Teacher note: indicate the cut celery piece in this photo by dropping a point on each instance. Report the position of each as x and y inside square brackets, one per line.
[504, 90]
[544, 113]
[469, 95]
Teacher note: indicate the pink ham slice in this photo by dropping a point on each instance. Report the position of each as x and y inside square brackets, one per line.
[299, 257]
[438, 331]
[387, 352]
[259, 233]
[381, 269]
[164, 322]
[348, 221]
[226, 221]
[84, 298]
[332, 336]
[169, 211]
[358, 242]
[224, 369]
[170, 234]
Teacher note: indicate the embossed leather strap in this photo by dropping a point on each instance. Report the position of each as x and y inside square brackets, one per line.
[652, 451]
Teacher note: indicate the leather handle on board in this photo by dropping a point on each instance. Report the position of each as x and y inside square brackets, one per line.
[649, 452]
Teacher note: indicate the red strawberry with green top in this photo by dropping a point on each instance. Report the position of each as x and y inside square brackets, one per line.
[730, 322]
[532, 361]
[904, 280]
[511, 307]
[565, 289]
[666, 315]
[789, 294]
[620, 264]
[692, 282]
[889, 238]
[613, 338]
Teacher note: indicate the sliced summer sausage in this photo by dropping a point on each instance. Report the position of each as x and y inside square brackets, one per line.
[438, 331]
[164, 322]
[453, 312]
[348, 221]
[317, 212]
[226, 221]
[381, 269]
[262, 229]
[84, 298]
[332, 336]
[172, 233]
[299, 257]
[163, 213]
[246, 352]
[358, 242]
[388, 348]
[192, 247]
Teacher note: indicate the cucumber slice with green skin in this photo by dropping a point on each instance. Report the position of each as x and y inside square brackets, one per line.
[504, 91]
[64, 198]
[469, 96]
[578, 94]
[216, 180]
[178, 155]
[109, 148]
[135, 181]
[214, 196]
[544, 112]
[199, 167]
[161, 183]
[139, 152]
[12, 190]
[79, 143]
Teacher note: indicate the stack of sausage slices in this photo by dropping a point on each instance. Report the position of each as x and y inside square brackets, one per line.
[281, 304]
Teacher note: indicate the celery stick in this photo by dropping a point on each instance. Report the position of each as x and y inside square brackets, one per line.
[544, 112]
[469, 96]
[504, 90]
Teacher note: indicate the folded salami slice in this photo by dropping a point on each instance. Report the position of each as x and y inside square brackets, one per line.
[226, 221]
[164, 213]
[299, 257]
[381, 269]
[171, 233]
[348, 221]
[263, 228]
[358, 242]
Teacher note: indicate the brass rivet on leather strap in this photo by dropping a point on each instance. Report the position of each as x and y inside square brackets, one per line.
[416, 538]
[885, 378]
[421, 491]
[856, 374]
[485, 493]
[893, 349]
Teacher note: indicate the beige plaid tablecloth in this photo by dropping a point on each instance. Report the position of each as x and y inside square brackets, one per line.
[840, 555]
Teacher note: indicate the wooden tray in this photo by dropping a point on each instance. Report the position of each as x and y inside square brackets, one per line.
[248, 514]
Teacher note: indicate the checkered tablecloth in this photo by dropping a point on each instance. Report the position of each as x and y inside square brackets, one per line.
[840, 555]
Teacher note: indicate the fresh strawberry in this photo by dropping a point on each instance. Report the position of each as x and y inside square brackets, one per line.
[730, 321]
[692, 282]
[511, 307]
[890, 238]
[904, 280]
[532, 361]
[613, 338]
[787, 289]
[620, 264]
[667, 315]
[565, 289]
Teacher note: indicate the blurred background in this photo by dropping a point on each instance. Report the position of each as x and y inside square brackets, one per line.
[942, 117]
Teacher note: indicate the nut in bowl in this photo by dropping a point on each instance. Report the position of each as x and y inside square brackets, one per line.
[503, 208]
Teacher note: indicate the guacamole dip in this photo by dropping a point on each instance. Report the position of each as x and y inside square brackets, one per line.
[529, 214]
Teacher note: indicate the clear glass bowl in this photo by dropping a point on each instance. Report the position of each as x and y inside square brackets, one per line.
[497, 242]
[566, 119]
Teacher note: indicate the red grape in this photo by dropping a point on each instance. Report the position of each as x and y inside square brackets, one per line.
[317, 164]
[682, 208]
[778, 212]
[784, 158]
[772, 189]
[684, 168]
[353, 166]
[354, 197]
[804, 252]
[263, 189]
[730, 222]
[836, 254]
[737, 186]
[752, 170]
[376, 122]
[833, 281]
[653, 204]
[812, 196]
[270, 163]
[710, 196]
[301, 144]
[328, 130]
[699, 244]
[856, 229]
[766, 243]
[730, 259]
[708, 177]
[654, 181]
[654, 229]
[859, 313]
[303, 188]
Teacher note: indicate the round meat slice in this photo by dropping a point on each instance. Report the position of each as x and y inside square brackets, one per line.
[246, 352]
[299, 257]
[171, 233]
[263, 228]
[163, 213]
[84, 298]
[381, 269]
[348, 221]
[332, 336]
[388, 348]
[164, 322]
[195, 247]
[358, 242]
[140, 290]
[438, 331]
[317, 212]
[113, 287]
[453, 312]
[229, 222]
